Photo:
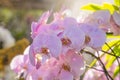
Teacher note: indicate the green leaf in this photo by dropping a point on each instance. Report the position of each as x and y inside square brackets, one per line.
[92, 7]
[109, 7]
[116, 71]
[116, 7]
[116, 49]
[112, 36]
[111, 44]
[117, 3]
[110, 60]
[93, 63]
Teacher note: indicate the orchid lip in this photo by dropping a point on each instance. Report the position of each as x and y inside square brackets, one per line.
[87, 39]
[66, 67]
[45, 50]
[66, 41]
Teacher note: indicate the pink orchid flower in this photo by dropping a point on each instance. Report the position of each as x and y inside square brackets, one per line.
[36, 25]
[115, 23]
[43, 47]
[95, 37]
[99, 18]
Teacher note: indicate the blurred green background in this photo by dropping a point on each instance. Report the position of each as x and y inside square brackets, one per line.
[18, 21]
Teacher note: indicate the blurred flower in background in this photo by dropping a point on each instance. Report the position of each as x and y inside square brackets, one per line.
[6, 39]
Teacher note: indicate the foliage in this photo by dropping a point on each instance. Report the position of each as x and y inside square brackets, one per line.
[117, 3]
[104, 6]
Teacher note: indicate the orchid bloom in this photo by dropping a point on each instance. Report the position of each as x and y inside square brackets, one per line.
[115, 23]
[35, 26]
[21, 64]
[94, 36]
[17, 63]
[72, 37]
[55, 52]
[43, 47]
[100, 18]
[73, 62]
[69, 66]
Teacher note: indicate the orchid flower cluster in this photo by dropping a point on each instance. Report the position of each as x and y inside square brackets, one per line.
[58, 48]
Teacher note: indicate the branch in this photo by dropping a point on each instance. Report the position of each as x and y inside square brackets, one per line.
[110, 54]
[115, 56]
[103, 66]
